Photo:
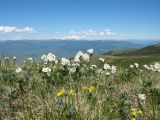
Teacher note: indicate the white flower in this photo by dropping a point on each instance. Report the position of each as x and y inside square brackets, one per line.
[46, 70]
[90, 51]
[142, 96]
[131, 66]
[56, 61]
[93, 66]
[78, 55]
[101, 59]
[14, 57]
[51, 57]
[86, 57]
[6, 58]
[72, 70]
[107, 73]
[106, 66]
[113, 69]
[18, 70]
[136, 65]
[154, 68]
[65, 61]
[30, 59]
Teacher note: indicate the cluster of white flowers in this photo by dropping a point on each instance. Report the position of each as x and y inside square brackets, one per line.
[49, 58]
[135, 65]
[101, 59]
[72, 70]
[46, 70]
[65, 61]
[18, 70]
[80, 55]
[154, 68]
[112, 68]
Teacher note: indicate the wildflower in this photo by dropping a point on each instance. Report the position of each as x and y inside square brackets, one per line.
[61, 92]
[78, 56]
[84, 87]
[107, 73]
[72, 70]
[71, 92]
[106, 66]
[133, 112]
[131, 66]
[14, 57]
[44, 58]
[90, 51]
[6, 58]
[140, 112]
[101, 59]
[65, 61]
[46, 70]
[18, 70]
[51, 57]
[136, 65]
[142, 96]
[113, 69]
[91, 88]
[86, 57]
[133, 109]
[30, 59]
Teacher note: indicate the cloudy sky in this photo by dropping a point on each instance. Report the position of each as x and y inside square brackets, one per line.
[79, 19]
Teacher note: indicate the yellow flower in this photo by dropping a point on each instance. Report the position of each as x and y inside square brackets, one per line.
[71, 92]
[84, 87]
[133, 119]
[134, 113]
[133, 109]
[140, 112]
[61, 92]
[91, 88]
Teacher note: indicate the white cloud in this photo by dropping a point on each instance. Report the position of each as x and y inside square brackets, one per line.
[26, 29]
[9, 29]
[90, 34]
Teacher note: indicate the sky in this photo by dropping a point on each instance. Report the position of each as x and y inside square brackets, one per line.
[79, 19]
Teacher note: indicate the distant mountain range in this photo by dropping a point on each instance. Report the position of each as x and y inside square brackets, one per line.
[23, 49]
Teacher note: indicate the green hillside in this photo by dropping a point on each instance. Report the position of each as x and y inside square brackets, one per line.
[146, 55]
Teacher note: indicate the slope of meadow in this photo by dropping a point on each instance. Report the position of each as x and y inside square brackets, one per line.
[83, 88]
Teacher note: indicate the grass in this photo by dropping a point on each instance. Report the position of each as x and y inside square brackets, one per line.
[86, 94]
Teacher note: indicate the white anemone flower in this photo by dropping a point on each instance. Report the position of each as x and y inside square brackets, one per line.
[51, 57]
[72, 70]
[46, 70]
[113, 69]
[90, 51]
[136, 65]
[131, 66]
[142, 96]
[86, 57]
[65, 61]
[106, 66]
[101, 59]
[107, 73]
[14, 57]
[18, 70]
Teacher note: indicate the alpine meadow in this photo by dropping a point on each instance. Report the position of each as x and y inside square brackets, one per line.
[79, 60]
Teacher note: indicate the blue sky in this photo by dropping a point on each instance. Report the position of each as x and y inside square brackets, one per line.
[79, 19]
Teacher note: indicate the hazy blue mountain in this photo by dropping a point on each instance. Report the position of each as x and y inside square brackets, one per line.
[62, 48]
